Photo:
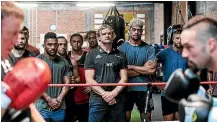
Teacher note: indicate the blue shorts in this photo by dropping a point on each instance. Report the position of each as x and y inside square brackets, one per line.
[56, 116]
[100, 111]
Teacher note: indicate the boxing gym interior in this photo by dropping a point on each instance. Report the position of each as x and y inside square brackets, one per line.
[161, 19]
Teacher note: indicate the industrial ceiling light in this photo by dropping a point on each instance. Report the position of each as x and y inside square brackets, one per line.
[95, 4]
[26, 5]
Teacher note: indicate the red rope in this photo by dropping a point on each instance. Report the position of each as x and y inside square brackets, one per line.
[121, 84]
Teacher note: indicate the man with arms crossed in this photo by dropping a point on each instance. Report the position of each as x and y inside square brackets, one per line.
[141, 63]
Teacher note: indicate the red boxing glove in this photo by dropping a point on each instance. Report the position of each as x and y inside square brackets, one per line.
[28, 79]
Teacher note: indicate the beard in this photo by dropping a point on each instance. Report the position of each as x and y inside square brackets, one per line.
[62, 53]
[93, 44]
[193, 66]
[136, 38]
[179, 46]
[51, 53]
[76, 49]
[20, 47]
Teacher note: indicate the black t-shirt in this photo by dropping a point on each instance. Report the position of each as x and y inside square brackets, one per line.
[13, 60]
[70, 63]
[81, 60]
[26, 54]
[12, 115]
[107, 66]
[203, 77]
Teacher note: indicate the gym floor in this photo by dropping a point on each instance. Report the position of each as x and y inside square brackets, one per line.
[156, 114]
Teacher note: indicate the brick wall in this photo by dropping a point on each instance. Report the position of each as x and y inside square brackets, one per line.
[70, 19]
[67, 22]
[38, 20]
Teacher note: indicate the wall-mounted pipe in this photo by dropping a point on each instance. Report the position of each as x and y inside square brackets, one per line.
[56, 17]
[32, 28]
[36, 23]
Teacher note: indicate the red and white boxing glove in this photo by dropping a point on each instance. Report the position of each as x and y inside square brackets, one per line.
[28, 79]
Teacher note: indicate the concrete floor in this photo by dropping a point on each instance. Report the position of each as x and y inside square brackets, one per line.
[157, 113]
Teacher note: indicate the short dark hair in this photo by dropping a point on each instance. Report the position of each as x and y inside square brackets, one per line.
[25, 29]
[76, 34]
[49, 35]
[173, 29]
[89, 32]
[61, 37]
[178, 31]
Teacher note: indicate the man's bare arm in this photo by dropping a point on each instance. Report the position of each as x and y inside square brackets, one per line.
[51, 101]
[123, 76]
[76, 77]
[46, 96]
[35, 115]
[132, 73]
[148, 68]
[109, 96]
[89, 75]
[65, 89]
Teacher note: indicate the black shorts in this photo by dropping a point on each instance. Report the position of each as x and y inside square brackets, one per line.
[138, 97]
[168, 107]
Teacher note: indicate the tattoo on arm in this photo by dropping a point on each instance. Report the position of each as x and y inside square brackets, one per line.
[65, 89]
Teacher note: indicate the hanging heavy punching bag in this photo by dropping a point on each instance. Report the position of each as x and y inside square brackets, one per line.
[116, 21]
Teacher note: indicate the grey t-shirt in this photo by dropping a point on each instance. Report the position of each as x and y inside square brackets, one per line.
[59, 68]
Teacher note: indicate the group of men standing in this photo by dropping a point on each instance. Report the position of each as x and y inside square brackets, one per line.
[65, 103]
[132, 62]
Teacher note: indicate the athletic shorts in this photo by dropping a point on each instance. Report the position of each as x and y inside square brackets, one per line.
[139, 98]
[168, 107]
